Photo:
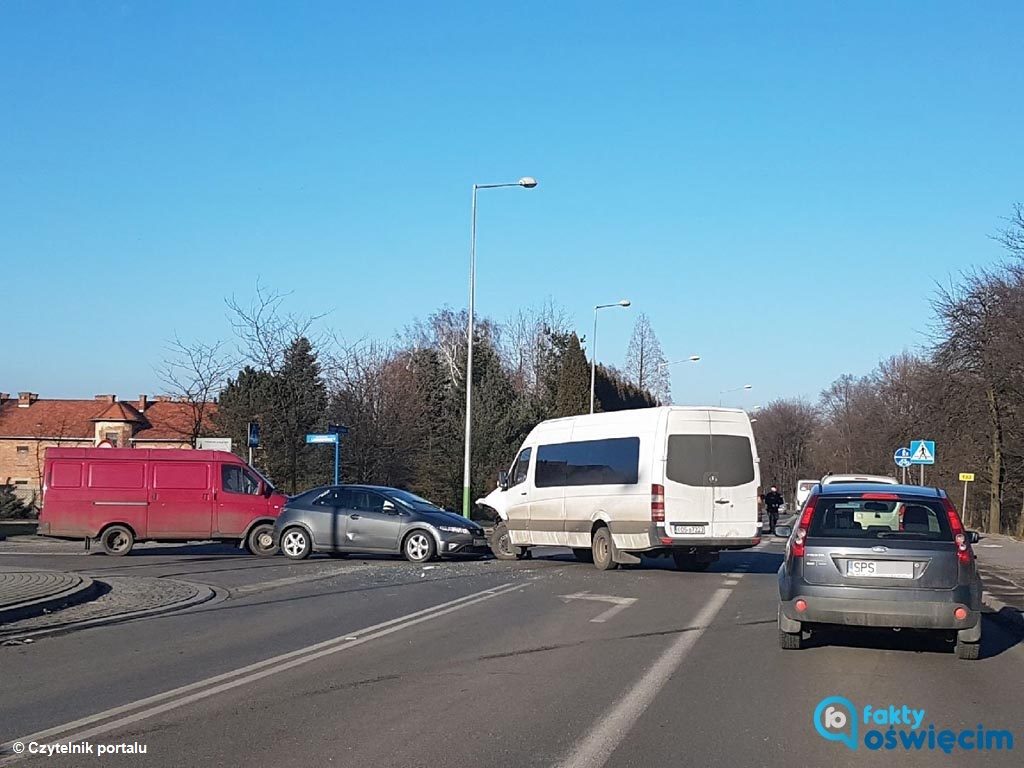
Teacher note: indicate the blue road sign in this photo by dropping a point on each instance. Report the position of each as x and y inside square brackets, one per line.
[254, 434]
[322, 438]
[922, 451]
[902, 457]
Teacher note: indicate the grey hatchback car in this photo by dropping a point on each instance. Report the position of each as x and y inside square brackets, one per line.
[880, 556]
[345, 519]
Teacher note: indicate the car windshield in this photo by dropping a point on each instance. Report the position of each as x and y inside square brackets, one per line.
[837, 517]
[412, 501]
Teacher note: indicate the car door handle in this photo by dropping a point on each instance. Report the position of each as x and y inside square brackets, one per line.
[722, 501]
[354, 517]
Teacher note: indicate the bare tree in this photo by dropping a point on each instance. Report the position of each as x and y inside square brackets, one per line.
[195, 373]
[265, 331]
[646, 365]
[526, 342]
[1012, 236]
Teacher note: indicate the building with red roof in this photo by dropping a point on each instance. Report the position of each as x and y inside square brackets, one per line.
[30, 424]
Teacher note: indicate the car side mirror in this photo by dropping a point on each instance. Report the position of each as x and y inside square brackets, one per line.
[389, 507]
[973, 537]
[503, 479]
[267, 491]
[783, 530]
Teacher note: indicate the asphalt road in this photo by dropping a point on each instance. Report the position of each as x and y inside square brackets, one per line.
[381, 663]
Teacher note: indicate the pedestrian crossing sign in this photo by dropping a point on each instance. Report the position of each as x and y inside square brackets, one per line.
[922, 451]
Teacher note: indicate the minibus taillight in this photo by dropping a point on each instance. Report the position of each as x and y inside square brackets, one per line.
[657, 503]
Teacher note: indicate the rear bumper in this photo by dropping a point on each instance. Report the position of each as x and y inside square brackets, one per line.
[910, 608]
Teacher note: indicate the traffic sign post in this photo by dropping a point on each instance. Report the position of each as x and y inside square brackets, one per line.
[922, 452]
[965, 478]
[902, 459]
[333, 436]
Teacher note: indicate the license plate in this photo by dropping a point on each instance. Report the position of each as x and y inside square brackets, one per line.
[885, 569]
[479, 542]
[688, 529]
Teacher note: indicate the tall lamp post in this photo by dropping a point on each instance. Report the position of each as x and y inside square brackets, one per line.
[729, 391]
[527, 182]
[690, 359]
[593, 347]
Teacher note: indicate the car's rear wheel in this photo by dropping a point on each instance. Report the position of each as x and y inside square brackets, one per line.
[603, 550]
[296, 544]
[583, 555]
[117, 540]
[968, 651]
[260, 540]
[419, 547]
[790, 641]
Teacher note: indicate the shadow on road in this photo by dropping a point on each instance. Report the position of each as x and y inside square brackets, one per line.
[996, 639]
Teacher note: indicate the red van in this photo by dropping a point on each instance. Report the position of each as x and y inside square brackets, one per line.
[123, 495]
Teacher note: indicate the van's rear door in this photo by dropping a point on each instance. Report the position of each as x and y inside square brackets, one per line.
[710, 476]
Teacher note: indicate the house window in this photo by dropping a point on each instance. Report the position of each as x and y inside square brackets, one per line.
[111, 437]
[22, 454]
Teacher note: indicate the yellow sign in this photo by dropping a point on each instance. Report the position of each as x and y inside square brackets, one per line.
[966, 477]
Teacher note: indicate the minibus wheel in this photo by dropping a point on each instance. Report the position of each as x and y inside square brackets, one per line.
[501, 544]
[603, 550]
[117, 540]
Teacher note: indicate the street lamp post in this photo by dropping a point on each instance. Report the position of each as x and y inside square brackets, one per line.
[593, 347]
[690, 359]
[728, 391]
[526, 182]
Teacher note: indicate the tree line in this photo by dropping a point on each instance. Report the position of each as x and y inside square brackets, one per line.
[403, 400]
[965, 390]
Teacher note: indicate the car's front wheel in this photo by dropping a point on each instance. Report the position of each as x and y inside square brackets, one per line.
[296, 544]
[419, 547]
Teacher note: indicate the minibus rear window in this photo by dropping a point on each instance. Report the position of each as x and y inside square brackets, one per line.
[723, 461]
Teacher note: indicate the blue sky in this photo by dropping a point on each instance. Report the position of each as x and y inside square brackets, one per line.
[777, 185]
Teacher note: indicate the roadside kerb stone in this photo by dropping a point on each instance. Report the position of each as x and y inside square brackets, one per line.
[25, 593]
[129, 597]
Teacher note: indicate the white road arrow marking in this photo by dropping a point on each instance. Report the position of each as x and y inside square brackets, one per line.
[618, 604]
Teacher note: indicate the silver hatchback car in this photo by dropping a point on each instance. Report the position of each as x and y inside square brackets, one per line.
[880, 556]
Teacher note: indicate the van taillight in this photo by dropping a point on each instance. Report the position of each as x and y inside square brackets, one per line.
[964, 553]
[657, 503]
[799, 544]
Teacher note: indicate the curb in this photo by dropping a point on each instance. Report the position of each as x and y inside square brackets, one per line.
[1005, 615]
[83, 592]
[204, 594]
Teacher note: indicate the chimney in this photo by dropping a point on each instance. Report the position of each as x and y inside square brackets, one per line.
[25, 399]
[106, 398]
[143, 402]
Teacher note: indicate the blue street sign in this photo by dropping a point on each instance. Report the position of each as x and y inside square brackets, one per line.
[322, 438]
[922, 451]
[902, 457]
[334, 438]
[254, 434]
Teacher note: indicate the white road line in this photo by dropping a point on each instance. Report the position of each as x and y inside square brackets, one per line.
[595, 749]
[619, 604]
[731, 583]
[262, 586]
[202, 689]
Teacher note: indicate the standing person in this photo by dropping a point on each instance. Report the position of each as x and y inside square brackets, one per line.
[772, 501]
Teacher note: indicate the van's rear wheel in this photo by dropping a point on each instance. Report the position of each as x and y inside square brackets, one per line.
[968, 651]
[603, 550]
[117, 540]
[583, 555]
[260, 540]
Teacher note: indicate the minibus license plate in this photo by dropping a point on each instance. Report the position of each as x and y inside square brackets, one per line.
[688, 529]
[885, 569]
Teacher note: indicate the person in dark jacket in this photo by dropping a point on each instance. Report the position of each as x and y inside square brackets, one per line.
[772, 502]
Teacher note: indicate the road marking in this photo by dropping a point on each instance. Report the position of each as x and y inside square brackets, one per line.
[595, 749]
[618, 604]
[731, 583]
[262, 586]
[188, 694]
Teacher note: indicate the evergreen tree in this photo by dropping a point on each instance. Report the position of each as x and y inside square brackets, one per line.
[13, 506]
[646, 363]
[572, 389]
